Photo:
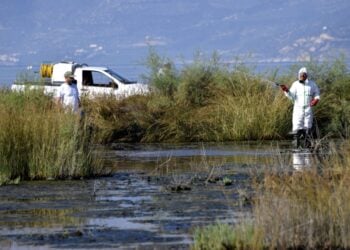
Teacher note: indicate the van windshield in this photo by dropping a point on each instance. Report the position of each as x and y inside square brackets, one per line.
[119, 77]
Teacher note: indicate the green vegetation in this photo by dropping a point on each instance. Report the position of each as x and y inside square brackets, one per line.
[307, 209]
[39, 141]
[209, 101]
[224, 236]
[204, 101]
[28, 77]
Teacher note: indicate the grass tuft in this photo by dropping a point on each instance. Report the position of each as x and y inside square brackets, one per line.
[224, 236]
[40, 141]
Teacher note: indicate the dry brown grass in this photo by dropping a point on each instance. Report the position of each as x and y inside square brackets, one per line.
[303, 209]
[309, 208]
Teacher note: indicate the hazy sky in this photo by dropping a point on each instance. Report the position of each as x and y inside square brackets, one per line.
[120, 32]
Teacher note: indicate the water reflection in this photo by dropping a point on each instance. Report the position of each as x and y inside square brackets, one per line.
[184, 156]
[301, 160]
[126, 223]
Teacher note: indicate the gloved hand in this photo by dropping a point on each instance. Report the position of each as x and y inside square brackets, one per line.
[284, 88]
[314, 102]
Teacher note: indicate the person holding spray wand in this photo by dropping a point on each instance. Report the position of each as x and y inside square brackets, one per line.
[305, 94]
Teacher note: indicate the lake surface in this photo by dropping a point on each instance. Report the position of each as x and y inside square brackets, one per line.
[157, 196]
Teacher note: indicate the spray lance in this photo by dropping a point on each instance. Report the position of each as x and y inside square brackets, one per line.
[282, 86]
[276, 84]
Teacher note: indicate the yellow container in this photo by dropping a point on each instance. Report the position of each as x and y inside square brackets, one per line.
[46, 70]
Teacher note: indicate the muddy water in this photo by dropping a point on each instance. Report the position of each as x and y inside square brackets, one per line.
[155, 199]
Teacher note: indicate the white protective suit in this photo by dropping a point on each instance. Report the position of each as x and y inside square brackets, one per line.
[302, 94]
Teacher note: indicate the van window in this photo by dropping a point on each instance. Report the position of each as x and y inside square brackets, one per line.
[96, 79]
[87, 78]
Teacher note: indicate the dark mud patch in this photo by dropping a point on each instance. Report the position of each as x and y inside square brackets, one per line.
[127, 210]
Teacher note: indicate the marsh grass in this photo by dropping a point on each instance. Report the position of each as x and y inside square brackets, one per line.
[308, 209]
[208, 100]
[223, 236]
[259, 113]
[303, 209]
[205, 101]
[125, 119]
[40, 141]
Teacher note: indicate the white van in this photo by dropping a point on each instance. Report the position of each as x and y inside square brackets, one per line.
[91, 81]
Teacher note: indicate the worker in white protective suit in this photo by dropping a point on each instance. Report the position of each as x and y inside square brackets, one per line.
[305, 94]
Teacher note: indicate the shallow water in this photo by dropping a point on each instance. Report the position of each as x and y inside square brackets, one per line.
[158, 195]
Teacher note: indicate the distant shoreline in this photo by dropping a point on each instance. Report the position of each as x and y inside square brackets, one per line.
[8, 73]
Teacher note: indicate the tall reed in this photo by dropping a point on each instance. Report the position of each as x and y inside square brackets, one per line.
[40, 141]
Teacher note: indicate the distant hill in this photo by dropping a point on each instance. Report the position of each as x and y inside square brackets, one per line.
[119, 32]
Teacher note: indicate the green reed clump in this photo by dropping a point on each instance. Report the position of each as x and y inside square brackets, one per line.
[197, 87]
[125, 119]
[162, 76]
[40, 141]
[251, 109]
[336, 115]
